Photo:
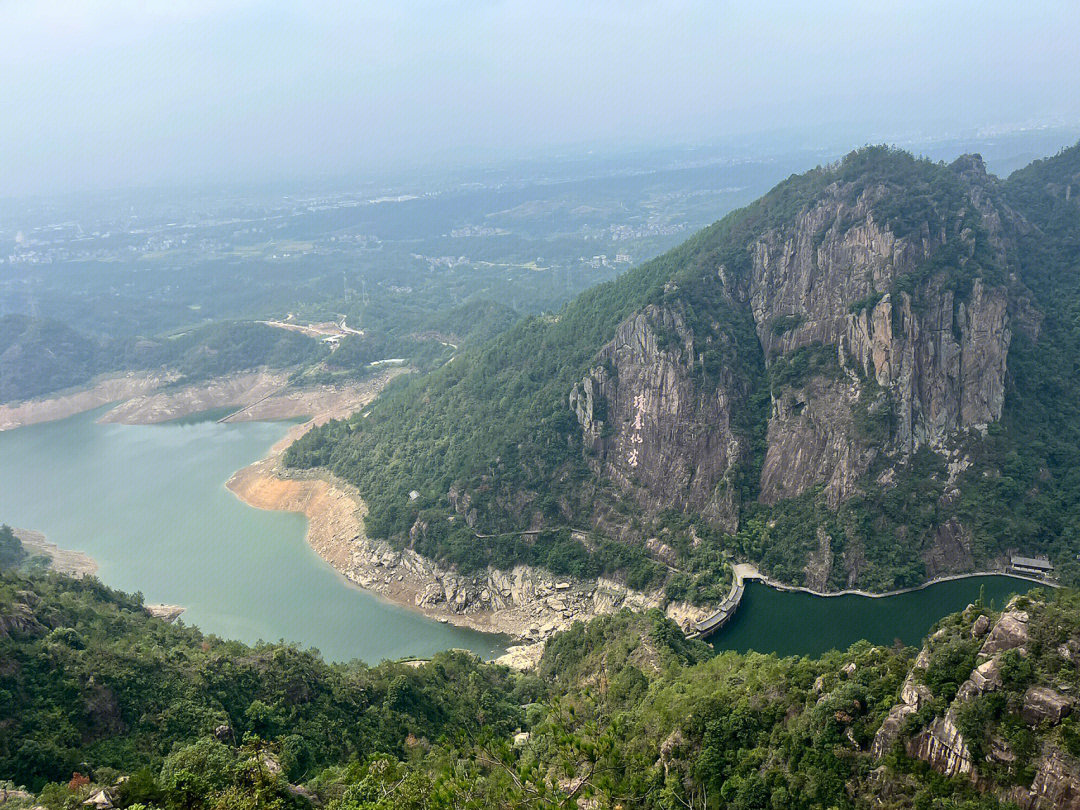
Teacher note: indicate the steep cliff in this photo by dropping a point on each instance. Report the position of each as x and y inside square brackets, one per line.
[868, 377]
[884, 310]
[650, 425]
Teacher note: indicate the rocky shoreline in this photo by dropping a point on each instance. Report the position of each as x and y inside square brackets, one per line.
[525, 603]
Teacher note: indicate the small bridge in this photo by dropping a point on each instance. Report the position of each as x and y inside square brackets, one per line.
[725, 611]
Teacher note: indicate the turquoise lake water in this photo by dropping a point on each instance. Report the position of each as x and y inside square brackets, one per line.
[149, 504]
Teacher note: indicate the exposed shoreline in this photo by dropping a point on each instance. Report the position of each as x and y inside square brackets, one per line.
[147, 399]
[525, 604]
[61, 560]
[60, 406]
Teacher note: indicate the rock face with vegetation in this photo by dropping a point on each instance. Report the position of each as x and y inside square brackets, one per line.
[651, 428]
[885, 335]
[866, 378]
[990, 701]
[95, 695]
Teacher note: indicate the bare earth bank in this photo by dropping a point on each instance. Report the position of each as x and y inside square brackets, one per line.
[525, 603]
[73, 563]
[112, 389]
[144, 399]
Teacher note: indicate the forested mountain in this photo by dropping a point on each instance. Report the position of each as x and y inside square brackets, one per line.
[866, 378]
[622, 712]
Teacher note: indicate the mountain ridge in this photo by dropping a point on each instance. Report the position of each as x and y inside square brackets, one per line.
[807, 383]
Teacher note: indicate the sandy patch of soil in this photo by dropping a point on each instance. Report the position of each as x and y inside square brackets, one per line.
[334, 518]
[168, 613]
[113, 389]
[320, 403]
[73, 563]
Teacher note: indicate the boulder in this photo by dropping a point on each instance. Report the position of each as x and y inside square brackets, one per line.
[10, 794]
[431, 595]
[1044, 704]
[1001, 751]
[890, 729]
[942, 746]
[302, 792]
[915, 694]
[980, 627]
[99, 800]
[271, 763]
[224, 732]
[986, 677]
[1010, 633]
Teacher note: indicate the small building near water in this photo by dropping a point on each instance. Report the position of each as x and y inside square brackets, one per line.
[1032, 566]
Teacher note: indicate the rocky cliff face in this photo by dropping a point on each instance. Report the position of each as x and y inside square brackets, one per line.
[652, 427]
[915, 329]
[812, 440]
[936, 362]
[943, 363]
[989, 760]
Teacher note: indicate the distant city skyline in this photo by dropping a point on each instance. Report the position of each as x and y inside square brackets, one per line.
[98, 94]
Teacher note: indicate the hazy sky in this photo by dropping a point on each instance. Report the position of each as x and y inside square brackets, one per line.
[118, 92]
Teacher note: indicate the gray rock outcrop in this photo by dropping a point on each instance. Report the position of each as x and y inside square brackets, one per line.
[1045, 705]
[920, 359]
[651, 428]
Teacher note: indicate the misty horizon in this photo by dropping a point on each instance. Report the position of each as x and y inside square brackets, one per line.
[112, 95]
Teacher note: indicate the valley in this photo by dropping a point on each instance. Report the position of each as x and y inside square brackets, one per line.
[516, 406]
[818, 413]
[817, 385]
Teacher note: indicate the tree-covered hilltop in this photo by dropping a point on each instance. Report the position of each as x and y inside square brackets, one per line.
[622, 711]
[42, 356]
[89, 677]
[864, 378]
[1024, 489]
[39, 357]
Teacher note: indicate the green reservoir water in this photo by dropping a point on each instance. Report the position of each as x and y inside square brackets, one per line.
[794, 623]
[149, 504]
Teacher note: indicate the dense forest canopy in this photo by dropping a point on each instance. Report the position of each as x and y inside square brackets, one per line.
[493, 429]
[621, 711]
